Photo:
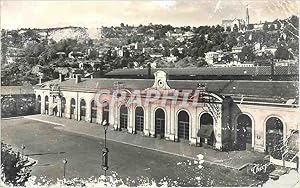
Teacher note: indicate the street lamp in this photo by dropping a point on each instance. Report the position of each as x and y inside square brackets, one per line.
[105, 149]
[23, 148]
[65, 164]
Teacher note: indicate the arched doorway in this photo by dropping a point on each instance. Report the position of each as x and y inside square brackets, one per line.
[274, 137]
[82, 109]
[63, 106]
[105, 111]
[39, 104]
[93, 111]
[139, 119]
[55, 111]
[160, 123]
[244, 132]
[183, 125]
[123, 117]
[72, 109]
[46, 105]
[206, 132]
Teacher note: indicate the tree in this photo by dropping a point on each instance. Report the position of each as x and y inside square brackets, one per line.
[194, 52]
[175, 52]
[250, 27]
[247, 54]
[282, 53]
[202, 63]
[228, 29]
[265, 26]
[126, 53]
[14, 170]
[272, 27]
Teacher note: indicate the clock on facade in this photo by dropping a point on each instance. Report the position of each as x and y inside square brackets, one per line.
[160, 83]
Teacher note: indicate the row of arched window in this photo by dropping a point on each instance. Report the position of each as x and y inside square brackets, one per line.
[244, 124]
[83, 110]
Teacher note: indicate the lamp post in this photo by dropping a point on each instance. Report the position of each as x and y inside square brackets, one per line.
[65, 164]
[105, 150]
[23, 148]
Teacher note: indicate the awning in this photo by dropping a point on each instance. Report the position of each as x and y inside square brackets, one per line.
[205, 131]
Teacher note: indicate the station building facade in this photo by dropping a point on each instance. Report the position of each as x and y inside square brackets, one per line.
[222, 114]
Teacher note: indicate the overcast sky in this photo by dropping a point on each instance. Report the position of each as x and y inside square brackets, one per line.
[43, 14]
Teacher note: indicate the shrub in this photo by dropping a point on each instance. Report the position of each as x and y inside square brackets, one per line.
[14, 170]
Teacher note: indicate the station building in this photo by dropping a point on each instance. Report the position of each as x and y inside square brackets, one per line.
[238, 108]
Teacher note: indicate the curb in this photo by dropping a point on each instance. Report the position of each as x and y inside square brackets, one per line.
[44, 121]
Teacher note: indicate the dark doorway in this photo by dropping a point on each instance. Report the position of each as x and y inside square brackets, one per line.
[46, 105]
[39, 105]
[63, 107]
[105, 111]
[82, 109]
[93, 111]
[183, 125]
[274, 137]
[139, 119]
[123, 117]
[73, 108]
[55, 111]
[159, 123]
[244, 132]
[206, 122]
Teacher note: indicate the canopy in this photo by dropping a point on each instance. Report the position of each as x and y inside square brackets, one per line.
[205, 131]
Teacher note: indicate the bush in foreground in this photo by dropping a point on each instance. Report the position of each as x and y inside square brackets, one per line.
[14, 170]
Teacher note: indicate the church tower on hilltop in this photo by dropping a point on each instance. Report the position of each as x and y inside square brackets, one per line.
[247, 16]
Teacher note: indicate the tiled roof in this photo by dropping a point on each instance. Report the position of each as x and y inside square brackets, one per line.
[281, 90]
[220, 71]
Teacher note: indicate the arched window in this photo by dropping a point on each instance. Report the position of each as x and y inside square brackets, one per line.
[123, 117]
[73, 108]
[63, 106]
[160, 123]
[93, 111]
[139, 119]
[274, 137]
[105, 111]
[82, 109]
[46, 105]
[183, 125]
[207, 129]
[244, 132]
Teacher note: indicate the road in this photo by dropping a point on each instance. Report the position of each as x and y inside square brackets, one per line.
[50, 146]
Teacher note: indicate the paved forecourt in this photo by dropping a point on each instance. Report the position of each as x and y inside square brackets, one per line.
[233, 159]
[51, 143]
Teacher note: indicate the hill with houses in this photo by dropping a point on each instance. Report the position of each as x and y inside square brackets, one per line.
[31, 54]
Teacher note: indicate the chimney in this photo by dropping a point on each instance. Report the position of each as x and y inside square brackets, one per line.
[61, 77]
[78, 78]
[40, 80]
[149, 71]
[92, 76]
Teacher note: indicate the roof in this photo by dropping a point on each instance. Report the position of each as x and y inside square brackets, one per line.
[219, 71]
[278, 91]
[16, 90]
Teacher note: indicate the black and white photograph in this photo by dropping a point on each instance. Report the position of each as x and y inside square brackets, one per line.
[150, 93]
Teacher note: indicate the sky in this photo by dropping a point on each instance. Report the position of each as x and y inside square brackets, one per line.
[97, 13]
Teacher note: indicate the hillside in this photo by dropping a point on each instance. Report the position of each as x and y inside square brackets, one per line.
[57, 34]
